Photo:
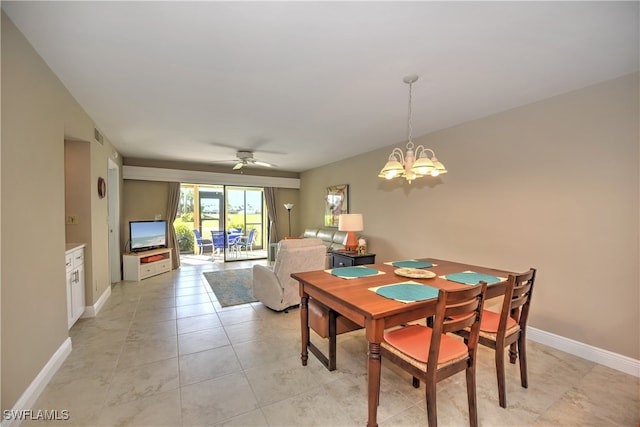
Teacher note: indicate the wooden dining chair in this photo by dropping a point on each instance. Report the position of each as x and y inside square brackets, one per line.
[430, 355]
[508, 328]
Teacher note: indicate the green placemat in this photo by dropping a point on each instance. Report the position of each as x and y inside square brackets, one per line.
[471, 278]
[408, 292]
[353, 272]
[412, 264]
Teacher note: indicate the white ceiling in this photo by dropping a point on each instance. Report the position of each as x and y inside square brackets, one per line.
[308, 83]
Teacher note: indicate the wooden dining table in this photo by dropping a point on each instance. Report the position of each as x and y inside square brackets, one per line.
[353, 299]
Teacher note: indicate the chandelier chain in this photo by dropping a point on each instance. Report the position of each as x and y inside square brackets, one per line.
[409, 119]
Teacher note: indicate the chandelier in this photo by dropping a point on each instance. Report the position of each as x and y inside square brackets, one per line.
[417, 162]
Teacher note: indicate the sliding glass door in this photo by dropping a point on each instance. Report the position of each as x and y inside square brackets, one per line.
[231, 217]
[245, 215]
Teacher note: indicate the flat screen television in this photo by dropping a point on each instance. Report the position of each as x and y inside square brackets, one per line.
[146, 235]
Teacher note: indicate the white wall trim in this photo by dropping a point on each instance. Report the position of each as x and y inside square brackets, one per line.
[198, 177]
[31, 394]
[93, 310]
[603, 357]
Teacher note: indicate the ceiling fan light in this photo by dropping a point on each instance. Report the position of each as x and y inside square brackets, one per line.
[238, 165]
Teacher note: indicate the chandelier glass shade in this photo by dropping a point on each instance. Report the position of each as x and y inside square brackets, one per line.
[417, 161]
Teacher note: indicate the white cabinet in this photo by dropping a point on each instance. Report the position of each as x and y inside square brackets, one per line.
[140, 265]
[74, 261]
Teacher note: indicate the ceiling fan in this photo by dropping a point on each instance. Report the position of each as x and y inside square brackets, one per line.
[245, 157]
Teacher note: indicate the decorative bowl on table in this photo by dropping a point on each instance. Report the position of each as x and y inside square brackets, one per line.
[415, 273]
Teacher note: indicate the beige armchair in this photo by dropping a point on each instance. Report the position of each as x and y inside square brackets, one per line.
[274, 287]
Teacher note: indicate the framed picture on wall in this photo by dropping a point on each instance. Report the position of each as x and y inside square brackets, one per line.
[336, 203]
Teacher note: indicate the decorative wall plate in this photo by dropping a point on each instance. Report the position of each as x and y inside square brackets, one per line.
[102, 187]
[415, 273]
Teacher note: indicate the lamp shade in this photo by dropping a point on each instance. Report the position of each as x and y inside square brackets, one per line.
[350, 222]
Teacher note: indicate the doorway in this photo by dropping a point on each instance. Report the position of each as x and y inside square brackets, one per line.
[113, 206]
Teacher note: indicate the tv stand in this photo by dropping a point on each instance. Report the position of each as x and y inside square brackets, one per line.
[140, 265]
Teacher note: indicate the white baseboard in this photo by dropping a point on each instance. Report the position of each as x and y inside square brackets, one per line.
[93, 310]
[603, 357]
[31, 394]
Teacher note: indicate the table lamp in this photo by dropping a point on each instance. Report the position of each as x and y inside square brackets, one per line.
[350, 223]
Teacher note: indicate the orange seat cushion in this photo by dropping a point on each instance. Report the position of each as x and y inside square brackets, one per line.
[415, 341]
[491, 320]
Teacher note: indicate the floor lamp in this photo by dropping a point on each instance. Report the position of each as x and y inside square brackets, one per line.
[289, 206]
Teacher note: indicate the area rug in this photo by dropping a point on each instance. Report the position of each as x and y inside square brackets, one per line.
[232, 287]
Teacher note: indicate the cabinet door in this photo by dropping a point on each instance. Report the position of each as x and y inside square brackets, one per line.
[77, 292]
[70, 277]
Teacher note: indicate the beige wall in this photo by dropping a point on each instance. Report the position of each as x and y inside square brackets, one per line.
[77, 200]
[551, 185]
[142, 201]
[38, 114]
[288, 195]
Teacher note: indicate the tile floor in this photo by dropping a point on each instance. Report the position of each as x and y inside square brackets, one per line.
[162, 352]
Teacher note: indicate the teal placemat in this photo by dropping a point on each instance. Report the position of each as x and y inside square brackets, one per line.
[471, 278]
[352, 272]
[408, 292]
[412, 264]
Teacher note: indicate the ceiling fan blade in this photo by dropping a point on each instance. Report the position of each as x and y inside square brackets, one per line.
[224, 161]
[238, 165]
[265, 164]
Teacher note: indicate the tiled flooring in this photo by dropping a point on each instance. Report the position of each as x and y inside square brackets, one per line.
[162, 352]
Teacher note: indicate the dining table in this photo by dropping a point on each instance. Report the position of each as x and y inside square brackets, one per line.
[359, 299]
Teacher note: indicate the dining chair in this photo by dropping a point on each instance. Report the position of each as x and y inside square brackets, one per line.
[202, 243]
[430, 355]
[508, 328]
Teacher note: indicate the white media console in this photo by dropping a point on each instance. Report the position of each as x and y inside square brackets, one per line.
[140, 265]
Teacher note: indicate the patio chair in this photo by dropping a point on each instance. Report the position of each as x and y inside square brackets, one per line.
[232, 242]
[218, 240]
[202, 243]
[246, 242]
